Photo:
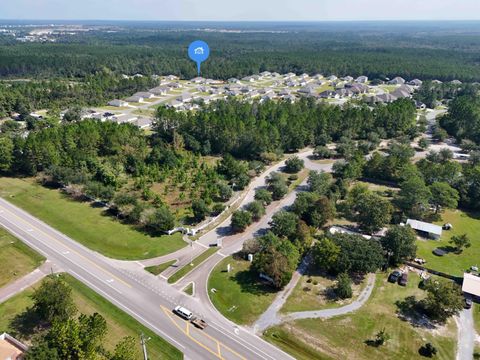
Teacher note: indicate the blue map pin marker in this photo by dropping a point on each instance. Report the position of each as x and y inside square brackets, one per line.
[198, 51]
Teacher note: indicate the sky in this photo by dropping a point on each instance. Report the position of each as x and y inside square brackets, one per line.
[241, 10]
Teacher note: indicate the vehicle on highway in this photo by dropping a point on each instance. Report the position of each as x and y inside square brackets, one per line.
[394, 276]
[199, 323]
[182, 312]
[402, 281]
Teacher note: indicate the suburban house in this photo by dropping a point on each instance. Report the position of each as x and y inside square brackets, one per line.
[185, 97]
[159, 90]
[415, 82]
[248, 79]
[347, 78]
[198, 80]
[397, 81]
[307, 90]
[135, 99]
[345, 93]
[382, 98]
[174, 85]
[144, 123]
[175, 104]
[11, 348]
[357, 88]
[120, 119]
[425, 229]
[329, 94]
[403, 91]
[118, 103]
[471, 285]
[456, 82]
[233, 81]
[361, 79]
[144, 94]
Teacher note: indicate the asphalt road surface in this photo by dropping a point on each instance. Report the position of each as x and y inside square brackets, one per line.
[148, 300]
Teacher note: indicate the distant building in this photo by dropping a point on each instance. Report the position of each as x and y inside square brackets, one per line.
[471, 285]
[425, 229]
[198, 80]
[118, 103]
[397, 81]
[144, 123]
[134, 99]
[159, 91]
[185, 97]
[415, 82]
[120, 119]
[11, 348]
[144, 94]
[362, 79]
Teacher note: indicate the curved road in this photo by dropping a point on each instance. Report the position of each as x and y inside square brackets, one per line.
[150, 299]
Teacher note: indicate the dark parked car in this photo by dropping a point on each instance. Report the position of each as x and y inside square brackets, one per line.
[394, 276]
[403, 279]
[468, 303]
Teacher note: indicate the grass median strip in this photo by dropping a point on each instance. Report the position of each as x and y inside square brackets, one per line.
[158, 269]
[187, 268]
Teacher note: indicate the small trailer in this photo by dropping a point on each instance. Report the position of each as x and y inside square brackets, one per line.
[199, 323]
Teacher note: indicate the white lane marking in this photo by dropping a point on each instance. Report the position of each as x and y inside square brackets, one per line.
[128, 310]
[53, 250]
[68, 240]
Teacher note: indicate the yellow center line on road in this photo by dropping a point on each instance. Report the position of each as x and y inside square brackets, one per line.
[29, 225]
[187, 332]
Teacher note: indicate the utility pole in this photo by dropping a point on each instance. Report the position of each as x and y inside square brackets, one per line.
[143, 341]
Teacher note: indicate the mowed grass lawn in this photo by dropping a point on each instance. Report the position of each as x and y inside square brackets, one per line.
[16, 258]
[452, 263]
[314, 292]
[239, 296]
[86, 224]
[344, 337]
[119, 323]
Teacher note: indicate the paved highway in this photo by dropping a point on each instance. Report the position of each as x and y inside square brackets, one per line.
[147, 299]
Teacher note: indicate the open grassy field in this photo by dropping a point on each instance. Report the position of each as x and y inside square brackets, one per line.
[344, 337]
[313, 292]
[16, 258]
[239, 296]
[86, 224]
[119, 323]
[452, 263]
[189, 267]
